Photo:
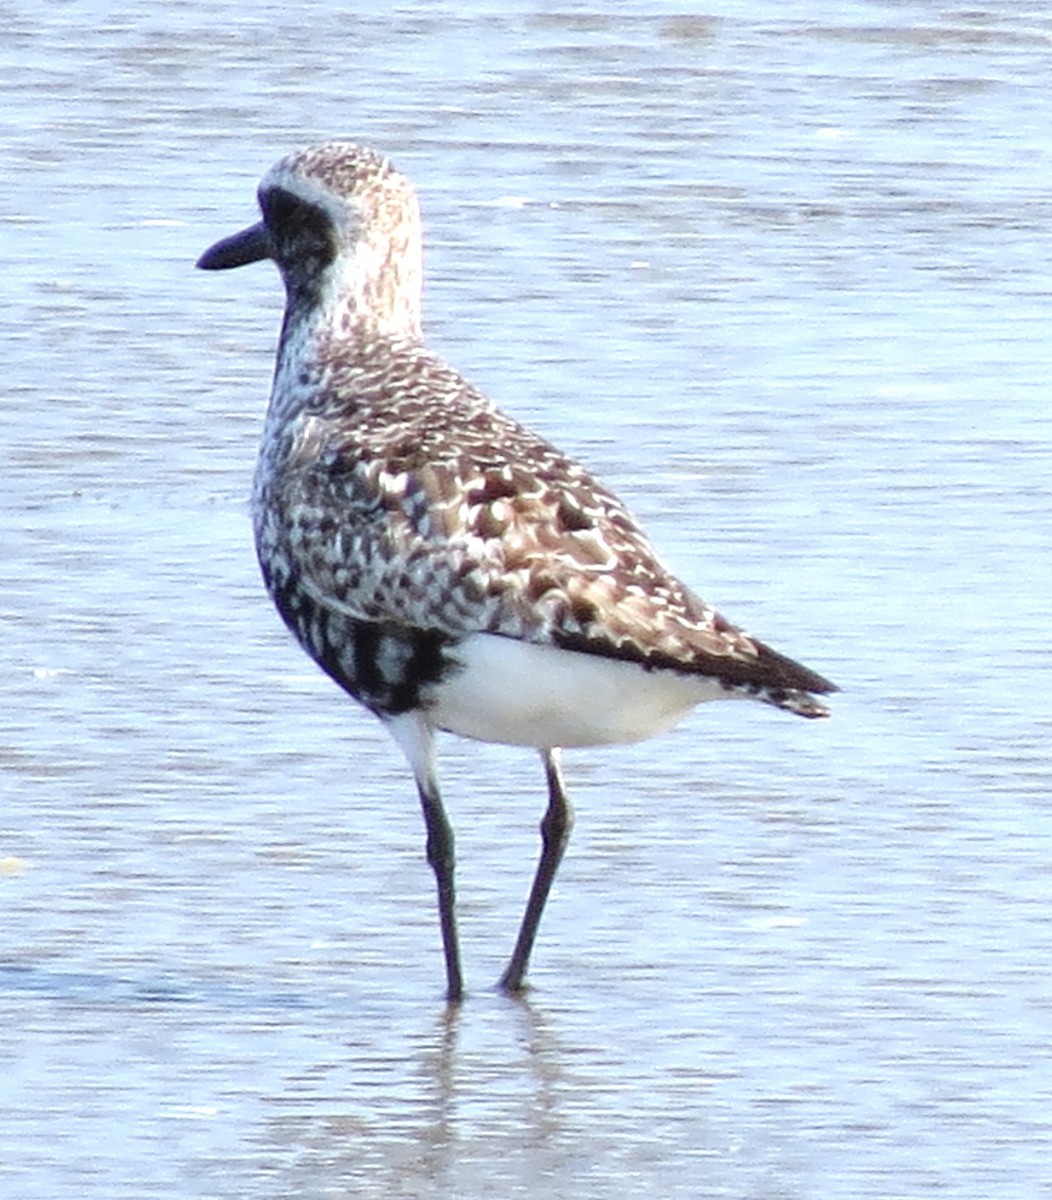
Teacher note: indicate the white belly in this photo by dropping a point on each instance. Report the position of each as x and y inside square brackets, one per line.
[527, 695]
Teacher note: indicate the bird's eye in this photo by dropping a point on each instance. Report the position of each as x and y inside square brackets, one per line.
[280, 207]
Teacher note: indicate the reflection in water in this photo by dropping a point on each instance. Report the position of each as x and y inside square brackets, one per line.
[468, 1107]
[497, 1097]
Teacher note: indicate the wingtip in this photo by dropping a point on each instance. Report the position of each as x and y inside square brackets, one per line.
[802, 701]
[803, 704]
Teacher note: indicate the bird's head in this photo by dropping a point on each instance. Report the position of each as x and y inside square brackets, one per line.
[343, 226]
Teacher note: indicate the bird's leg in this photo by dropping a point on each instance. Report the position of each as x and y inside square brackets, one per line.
[555, 833]
[441, 857]
[416, 738]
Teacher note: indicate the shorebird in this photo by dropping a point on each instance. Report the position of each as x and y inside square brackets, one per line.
[446, 566]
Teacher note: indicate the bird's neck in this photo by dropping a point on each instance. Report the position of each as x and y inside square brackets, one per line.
[372, 289]
[377, 282]
[380, 287]
[344, 319]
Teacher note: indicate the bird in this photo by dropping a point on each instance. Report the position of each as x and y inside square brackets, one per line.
[449, 568]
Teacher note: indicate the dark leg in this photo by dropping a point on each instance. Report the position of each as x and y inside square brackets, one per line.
[555, 833]
[440, 856]
[414, 735]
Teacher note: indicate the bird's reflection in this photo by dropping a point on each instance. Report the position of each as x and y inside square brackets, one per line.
[477, 1088]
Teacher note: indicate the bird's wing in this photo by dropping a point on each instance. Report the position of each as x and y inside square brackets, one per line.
[479, 542]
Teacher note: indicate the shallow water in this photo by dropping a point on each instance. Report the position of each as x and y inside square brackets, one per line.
[782, 279]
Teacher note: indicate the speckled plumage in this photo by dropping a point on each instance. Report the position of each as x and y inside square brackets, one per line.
[403, 522]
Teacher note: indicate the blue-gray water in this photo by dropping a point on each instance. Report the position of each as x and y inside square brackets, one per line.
[780, 274]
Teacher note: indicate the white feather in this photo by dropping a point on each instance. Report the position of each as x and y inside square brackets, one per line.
[523, 694]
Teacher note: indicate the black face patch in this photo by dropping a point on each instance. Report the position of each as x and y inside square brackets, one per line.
[302, 233]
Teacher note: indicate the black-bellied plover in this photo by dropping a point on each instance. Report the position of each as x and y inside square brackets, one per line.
[447, 567]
